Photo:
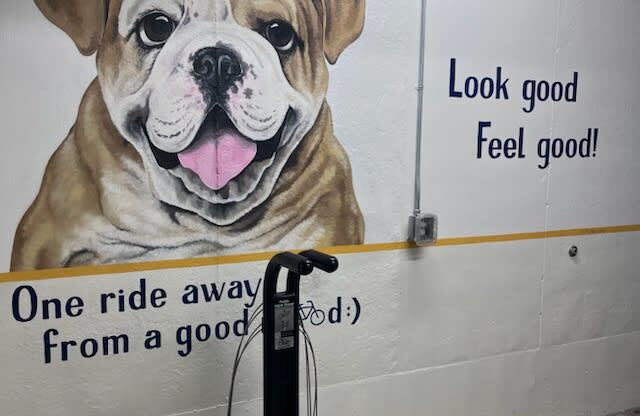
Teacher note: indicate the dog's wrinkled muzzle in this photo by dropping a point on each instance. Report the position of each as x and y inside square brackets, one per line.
[219, 152]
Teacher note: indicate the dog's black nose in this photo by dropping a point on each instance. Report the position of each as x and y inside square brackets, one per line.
[219, 68]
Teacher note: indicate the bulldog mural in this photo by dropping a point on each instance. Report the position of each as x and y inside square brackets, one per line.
[206, 132]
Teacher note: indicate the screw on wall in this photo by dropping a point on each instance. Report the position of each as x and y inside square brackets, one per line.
[573, 251]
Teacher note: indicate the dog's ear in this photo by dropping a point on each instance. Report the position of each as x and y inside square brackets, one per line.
[83, 20]
[344, 21]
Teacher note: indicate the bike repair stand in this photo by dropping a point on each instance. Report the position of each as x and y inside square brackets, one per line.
[280, 329]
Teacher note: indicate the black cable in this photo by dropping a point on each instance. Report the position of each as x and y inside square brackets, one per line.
[308, 376]
[315, 366]
[312, 402]
[253, 317]
[315, 374]
[253, 335]
[240, 352]
[315, 398]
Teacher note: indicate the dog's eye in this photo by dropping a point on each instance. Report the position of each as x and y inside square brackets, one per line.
[281, 35]
[155, 29]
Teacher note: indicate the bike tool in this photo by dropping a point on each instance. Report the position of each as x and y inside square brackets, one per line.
[281, 325]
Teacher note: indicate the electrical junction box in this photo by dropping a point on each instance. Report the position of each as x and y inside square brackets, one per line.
[423, 229]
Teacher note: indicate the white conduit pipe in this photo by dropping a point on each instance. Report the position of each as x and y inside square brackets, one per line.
[420, 88]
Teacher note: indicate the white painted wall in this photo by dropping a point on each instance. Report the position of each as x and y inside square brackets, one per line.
[515, 328]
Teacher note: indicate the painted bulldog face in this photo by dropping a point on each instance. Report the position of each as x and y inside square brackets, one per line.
[215, 95]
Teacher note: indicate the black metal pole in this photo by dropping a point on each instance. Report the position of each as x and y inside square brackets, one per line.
[280, 335]
[281, 347]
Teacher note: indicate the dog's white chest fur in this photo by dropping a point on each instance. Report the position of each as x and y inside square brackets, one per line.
[136, 226]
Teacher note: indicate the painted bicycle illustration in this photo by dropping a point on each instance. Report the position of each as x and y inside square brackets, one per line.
[309, 311]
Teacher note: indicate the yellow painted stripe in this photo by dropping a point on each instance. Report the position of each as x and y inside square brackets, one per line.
[255, 257]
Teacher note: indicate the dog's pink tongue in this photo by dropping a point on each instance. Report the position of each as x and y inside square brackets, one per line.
[218, 158]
